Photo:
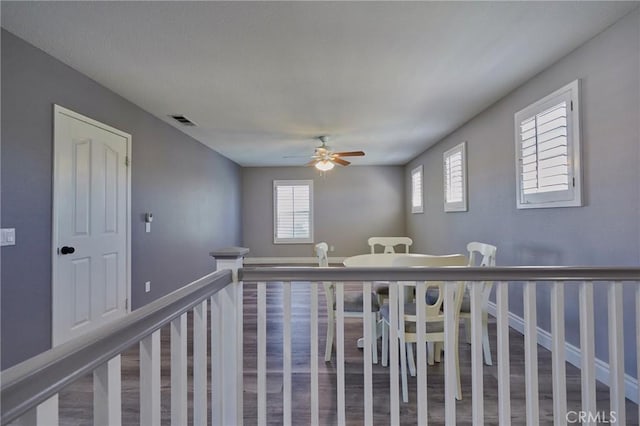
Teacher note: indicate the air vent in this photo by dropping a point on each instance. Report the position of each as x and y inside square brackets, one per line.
[182, 120]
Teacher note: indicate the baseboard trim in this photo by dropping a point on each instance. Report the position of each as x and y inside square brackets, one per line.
[573, 354]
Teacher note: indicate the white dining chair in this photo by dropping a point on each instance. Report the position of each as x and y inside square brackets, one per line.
[389, 243]
[352, 308]
[381, 288]
[480, 254]
[434, 315]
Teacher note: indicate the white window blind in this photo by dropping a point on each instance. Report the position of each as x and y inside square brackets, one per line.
[455, 179]
[548, 151]
[293, 211]
[417, 205]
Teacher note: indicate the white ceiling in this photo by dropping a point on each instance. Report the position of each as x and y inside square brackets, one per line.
[262, 79]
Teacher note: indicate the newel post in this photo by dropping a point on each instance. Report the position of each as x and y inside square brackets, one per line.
[226, 342]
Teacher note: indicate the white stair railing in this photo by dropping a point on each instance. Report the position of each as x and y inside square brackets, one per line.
[532, 277]
[29, 391]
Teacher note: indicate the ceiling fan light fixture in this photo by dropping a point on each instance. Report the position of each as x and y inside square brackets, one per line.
[324, 165]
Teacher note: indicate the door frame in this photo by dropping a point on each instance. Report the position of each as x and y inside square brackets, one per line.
[59, 111]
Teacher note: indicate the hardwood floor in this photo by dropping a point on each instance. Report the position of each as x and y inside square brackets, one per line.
[76, 401]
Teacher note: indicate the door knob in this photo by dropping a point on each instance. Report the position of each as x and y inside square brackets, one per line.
[67, 250]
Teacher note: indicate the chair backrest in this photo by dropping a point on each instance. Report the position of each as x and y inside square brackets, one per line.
[323, 261]
[389, 243]
[487, 251]
[481, 254]
[433, 310]
[321, 252]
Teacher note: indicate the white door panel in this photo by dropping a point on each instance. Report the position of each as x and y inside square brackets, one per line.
[91, 204]
[80, 282]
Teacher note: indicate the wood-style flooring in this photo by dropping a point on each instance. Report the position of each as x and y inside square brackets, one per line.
[76, 400]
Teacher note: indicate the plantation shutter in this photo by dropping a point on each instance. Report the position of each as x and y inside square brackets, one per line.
[455, 180]
[545, 153]
[292, 212]
[416, 190]
[548, 151]
[453, 177]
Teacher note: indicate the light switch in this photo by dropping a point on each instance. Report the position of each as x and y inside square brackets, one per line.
[147, 287]
[8, 237]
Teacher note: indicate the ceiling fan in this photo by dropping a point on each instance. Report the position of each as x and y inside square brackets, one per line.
[324, 159]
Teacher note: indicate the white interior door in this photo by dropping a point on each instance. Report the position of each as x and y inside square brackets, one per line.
[91, 249]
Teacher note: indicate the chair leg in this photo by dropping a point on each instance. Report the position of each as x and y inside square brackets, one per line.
[431, 351]
[485, 339]
[403, 371]
[331, 326]
[438, 351]
[410, 358]
[385, 344]
[458, 384]
[467, 330]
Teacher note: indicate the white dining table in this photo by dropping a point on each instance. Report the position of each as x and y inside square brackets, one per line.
[381, 260]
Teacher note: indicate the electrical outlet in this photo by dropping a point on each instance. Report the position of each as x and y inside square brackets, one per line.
[147, 287]
[332, 248]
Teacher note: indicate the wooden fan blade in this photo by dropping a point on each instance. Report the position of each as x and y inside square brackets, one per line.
[349, 154]
[341, 161]
[311, 163]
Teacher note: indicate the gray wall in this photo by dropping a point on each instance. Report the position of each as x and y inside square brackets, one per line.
[193, 192]
[605, 231]
[351, 204]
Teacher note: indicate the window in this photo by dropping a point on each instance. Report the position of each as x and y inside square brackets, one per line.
[548, 151]
[292, 211]
[417, 205]
[454, 164]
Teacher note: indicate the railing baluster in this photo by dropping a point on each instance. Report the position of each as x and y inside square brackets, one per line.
[315, 409]
[239, 295]
[477, 388]
[216, 324]
[45, 414]
[179, 371]
[558, 368]
[394, 388]
[616, 353]
[421, 354]
[637, 295]
[286, 354]
[200, 364]
[340, 352]
[504, 375]
[531, 353]
[107, 396]
[262, 353]
[150, 380]
[450, 377]
[402, 347]
[367, 325]
[587, 349]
